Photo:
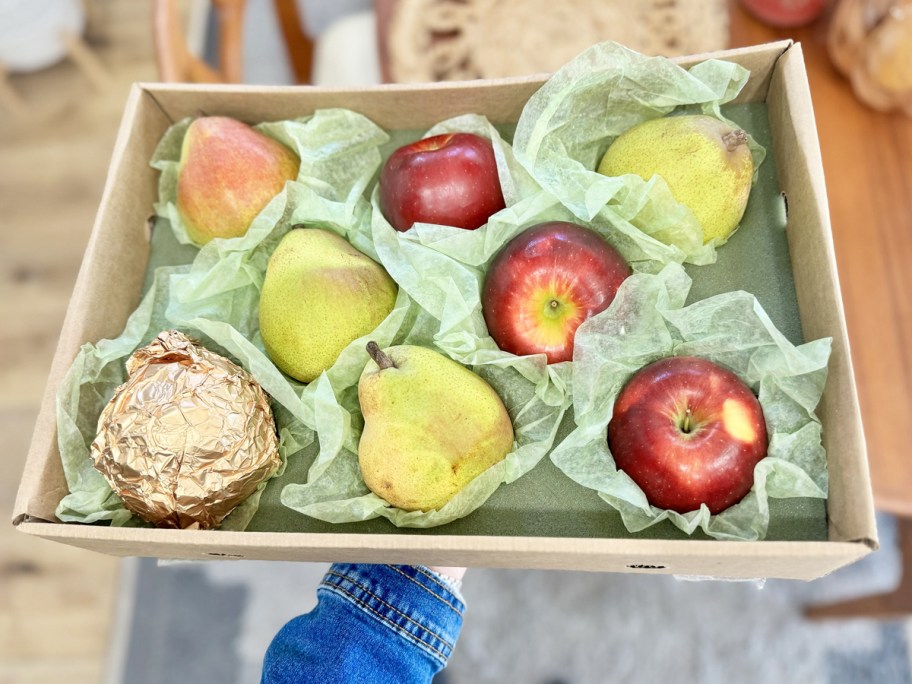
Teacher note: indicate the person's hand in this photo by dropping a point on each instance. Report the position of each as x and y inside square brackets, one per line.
[456, 573]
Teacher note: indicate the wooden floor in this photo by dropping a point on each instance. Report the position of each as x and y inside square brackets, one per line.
[56, 602]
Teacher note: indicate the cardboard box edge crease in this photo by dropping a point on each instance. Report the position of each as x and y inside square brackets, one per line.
[853, 533]
[822, 314]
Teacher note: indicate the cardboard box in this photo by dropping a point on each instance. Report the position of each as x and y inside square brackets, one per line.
[104, 297]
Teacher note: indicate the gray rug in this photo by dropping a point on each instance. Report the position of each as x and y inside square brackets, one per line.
[211, 622]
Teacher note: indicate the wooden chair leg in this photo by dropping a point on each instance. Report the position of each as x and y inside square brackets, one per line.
[896, 604]
[9, 98]
[230, 17]
[86, 61]
[297, 43]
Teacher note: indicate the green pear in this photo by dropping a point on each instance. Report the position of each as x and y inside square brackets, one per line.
[706, 164]
[227, 173]
[430, 427]
[319, 295]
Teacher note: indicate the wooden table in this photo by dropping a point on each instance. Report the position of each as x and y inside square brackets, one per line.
[867, 158]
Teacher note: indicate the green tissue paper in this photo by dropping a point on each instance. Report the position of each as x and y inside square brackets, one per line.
[215, 300]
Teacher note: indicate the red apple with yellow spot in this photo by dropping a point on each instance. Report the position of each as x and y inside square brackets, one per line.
[544, 283]
[688, 432]
[449, 179]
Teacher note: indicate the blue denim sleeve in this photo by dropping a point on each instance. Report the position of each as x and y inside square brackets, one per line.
[383, 624]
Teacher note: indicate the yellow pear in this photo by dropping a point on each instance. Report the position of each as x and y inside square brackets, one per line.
[706, 164]
[431, 426]
[319, 295]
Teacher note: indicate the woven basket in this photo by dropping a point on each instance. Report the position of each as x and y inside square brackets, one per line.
[436, 40]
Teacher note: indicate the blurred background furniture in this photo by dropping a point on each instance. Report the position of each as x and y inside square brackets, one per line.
[34, 36]
[430, 40]
[440, 40]
[177, 64]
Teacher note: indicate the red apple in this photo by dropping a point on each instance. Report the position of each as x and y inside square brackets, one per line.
[448, 179]
[688, 431]
[785, 13]
[544, 283]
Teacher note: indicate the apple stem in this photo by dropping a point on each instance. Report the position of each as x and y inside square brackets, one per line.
[380, 358]
[734, 139]
[686, 426]
[554, 304]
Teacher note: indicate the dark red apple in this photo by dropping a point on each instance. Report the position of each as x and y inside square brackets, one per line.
[544, 283]
[448, 179]
[785, 13]
[688, 431]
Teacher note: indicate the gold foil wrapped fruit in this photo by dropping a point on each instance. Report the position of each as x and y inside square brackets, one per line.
[187, 437]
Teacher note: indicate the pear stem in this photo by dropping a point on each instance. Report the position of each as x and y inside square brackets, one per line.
[381, 359]
[734, 139]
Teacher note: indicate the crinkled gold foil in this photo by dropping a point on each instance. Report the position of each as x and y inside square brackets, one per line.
[187, 437]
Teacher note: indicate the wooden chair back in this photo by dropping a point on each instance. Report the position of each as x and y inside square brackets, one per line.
[177, 65]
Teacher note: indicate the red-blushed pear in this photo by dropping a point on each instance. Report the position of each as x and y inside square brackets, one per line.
[449, 179]
[544, 283]
[688, 432]
[228, 172]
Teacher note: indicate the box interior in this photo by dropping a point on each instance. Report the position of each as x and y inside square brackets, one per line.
[544, 502]
[105, 295]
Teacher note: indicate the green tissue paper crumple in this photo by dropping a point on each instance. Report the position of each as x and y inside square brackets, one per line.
[215, 300]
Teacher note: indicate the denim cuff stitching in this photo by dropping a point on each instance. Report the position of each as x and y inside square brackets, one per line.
[417, 640]
[450, 584]
[427, 589]
[367, 591]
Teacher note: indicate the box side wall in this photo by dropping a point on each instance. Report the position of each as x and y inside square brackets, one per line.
[850, 505]
[406, 106]
[390, 107]
[760, 60]
[107, 288]
[787, 560]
